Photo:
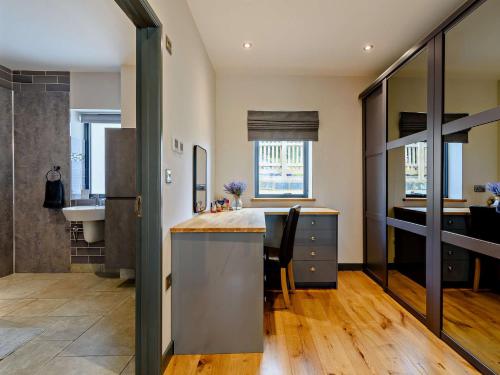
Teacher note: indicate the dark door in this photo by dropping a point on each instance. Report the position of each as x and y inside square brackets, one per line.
[374, 107]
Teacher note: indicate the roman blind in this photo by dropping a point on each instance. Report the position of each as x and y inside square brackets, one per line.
[100, 118]
[414, 122]
[283, 125]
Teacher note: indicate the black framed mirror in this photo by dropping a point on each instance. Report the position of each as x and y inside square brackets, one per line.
[199, 179]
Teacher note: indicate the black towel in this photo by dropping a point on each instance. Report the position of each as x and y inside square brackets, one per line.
[54, 194]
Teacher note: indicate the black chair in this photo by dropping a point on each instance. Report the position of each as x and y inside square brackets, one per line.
[484, 225]
[283, 255]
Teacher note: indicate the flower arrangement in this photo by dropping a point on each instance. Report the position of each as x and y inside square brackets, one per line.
[235, 188]
[494, 187]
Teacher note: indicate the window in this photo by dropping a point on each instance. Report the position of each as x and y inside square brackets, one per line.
[281, 169]
[88, 158]
[416, 170]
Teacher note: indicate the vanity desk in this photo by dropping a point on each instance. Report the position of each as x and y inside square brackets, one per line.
[218, 273]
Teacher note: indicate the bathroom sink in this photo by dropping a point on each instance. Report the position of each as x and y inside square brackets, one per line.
[92, 218]
[84, 213]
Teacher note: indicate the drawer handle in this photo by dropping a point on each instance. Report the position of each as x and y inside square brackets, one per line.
[450, 268]
[313, 238]
[313, 253]
[450, 222]
[312, 269]
[450, 252]
[313, 222]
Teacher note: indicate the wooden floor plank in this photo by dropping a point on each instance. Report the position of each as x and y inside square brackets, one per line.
[356, 329]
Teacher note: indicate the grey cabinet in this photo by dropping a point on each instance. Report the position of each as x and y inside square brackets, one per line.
[315, 251]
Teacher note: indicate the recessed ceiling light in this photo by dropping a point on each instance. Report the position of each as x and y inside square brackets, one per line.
[247, 45]
[368, 47]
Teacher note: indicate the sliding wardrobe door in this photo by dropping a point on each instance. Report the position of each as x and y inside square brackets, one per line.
[408, 96]
[374, 107]
[470, 226]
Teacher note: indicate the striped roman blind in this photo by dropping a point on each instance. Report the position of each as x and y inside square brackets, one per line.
[283, 125]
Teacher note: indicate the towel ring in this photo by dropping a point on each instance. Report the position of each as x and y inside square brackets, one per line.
[54, 173]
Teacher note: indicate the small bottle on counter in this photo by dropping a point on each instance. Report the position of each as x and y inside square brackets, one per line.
[213, 209]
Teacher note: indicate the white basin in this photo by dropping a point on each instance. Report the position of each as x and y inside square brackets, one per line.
[92, 218]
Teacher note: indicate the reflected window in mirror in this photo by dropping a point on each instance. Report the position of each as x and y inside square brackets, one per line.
[88, 156]
[406, 179]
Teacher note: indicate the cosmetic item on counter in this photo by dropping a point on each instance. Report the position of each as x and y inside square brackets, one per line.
[219, 207]
[213, 208]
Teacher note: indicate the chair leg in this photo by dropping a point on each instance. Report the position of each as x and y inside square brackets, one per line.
[477, 274]
[284, 287]
[290, 277]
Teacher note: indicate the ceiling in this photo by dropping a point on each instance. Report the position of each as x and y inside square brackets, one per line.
[75, 35]
[319, 37]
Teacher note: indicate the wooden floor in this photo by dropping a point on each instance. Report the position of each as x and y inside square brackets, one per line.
[357, 329]
[471, 318]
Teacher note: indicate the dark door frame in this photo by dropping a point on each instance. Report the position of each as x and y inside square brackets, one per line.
[149, 137]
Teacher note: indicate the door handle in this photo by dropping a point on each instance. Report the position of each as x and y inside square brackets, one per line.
[138, 206]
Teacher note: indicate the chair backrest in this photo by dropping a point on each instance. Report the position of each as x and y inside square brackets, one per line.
[288, 238]
[485, 223]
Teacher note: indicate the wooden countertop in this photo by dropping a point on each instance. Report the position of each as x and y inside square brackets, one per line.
[446, 211]
[247, 220]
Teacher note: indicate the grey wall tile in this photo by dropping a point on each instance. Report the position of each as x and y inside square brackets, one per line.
[63, 79]
[44, 79]
[57, 87]
[22, 78]
[5, 75]
[57, 73]
[30, 87]
[41, 137]
[6, 206]
[33, 72]
[79, 259]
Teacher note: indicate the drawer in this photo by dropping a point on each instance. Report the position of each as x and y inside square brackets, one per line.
[455, 270]
[316, 237]
[451, 252]
[314, 252]
[314, 222]
[456, 224]
[306, 271]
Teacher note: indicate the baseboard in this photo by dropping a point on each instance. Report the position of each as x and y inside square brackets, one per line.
[167, 356]
[350, 266]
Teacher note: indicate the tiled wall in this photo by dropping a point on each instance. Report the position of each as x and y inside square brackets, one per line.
[6, 206]
[28, 80]
[5, 77]
[83, 252]
[85, 257]
[41, 140]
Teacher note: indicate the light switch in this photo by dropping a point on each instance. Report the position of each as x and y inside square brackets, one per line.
[168, 176]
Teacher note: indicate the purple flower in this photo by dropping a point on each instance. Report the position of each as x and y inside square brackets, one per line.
[235, 188]
[494, 187]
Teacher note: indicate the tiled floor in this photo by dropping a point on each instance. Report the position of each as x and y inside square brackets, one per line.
[73, 323]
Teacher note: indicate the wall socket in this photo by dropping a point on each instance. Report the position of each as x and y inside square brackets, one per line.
[479, 188]
[177, 146]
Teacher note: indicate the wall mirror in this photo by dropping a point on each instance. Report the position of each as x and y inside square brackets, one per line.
[199, 179]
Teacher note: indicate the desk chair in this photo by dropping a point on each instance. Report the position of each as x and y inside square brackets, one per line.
[485, 222]
[283, 255]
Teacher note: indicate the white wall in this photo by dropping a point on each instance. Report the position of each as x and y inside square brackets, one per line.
[336, 157]
[128, 96]
[189, 115]
[91, 90]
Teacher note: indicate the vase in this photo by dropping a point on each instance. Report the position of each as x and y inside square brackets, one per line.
[237, 204]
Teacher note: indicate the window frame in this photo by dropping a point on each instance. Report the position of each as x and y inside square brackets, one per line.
[305, 194]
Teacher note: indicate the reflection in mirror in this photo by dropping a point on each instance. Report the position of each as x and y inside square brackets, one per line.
[470, 312]
[407, 180]
[471, 160]
[472, 62]
[406, 267]
[407, 93]
[199, 179]
[471, 280]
